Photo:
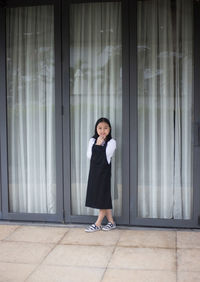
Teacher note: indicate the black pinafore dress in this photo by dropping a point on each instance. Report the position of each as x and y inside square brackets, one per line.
[99, 180]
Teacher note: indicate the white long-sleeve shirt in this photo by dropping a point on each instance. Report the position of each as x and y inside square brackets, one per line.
[110, 149]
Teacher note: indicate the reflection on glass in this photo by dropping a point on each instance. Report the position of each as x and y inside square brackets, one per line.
[95, 91]
[165, 75]
[31, 109]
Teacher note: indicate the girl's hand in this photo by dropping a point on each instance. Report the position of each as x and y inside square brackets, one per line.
[100, 140]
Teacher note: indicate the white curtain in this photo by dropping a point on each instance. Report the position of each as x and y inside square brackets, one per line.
[95, 91]
[165, 100]
[31, 109]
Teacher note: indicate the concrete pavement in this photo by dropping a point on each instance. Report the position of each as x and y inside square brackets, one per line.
[50, 253]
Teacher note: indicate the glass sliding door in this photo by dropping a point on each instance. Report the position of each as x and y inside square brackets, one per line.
[165, 109]
[31, 109]
[95, 91]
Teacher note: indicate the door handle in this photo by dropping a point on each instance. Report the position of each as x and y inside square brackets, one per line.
[197, 134]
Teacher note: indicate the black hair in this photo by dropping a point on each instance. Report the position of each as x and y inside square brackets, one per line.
[102, 119]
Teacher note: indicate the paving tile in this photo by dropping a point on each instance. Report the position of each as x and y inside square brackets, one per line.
[188, 276]
[143, 258]
[126, 275]
[66, 273]
[79, 236]
[15, 272]
[148, 238]
[93, 256]
[20, 252]
[188, 259]
[6, 230]
[188, 239]
[38, 234]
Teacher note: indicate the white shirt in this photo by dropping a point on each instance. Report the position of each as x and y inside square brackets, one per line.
[110, 148]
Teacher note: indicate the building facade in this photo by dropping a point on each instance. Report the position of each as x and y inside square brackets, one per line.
[63, 65]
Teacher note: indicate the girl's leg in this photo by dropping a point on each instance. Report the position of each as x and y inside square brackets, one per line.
[109, 216]
[101, 216]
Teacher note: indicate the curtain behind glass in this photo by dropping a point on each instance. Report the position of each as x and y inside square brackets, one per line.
[165, 108]
[31, 109]
[96, 91]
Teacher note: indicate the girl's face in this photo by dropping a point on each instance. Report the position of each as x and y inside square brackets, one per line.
[103, 129]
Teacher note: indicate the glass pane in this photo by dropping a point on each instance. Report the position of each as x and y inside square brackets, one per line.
[165, 103]
[95, 91]
[31, 109]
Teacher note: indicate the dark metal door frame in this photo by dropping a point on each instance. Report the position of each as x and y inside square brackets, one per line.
[196, 164]
[129, 148]
[124, 219]
[134, 219]
[6, 215]
[2, 90]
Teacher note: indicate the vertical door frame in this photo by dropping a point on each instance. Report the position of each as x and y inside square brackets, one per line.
[133, 112]
[134, 219]
[69, 218]
[3, 144]
[6, 215]
[196, 129]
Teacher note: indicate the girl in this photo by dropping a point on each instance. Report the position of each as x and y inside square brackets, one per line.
[100, 151]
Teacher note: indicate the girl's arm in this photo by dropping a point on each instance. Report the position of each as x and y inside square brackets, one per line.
[89, 150]
[110, 149]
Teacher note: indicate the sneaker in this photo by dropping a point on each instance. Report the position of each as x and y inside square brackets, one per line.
[93, 228]
[109, 226]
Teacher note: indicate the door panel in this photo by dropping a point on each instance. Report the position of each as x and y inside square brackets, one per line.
[33, 120]
[95, 91]
[96, 83]
[165, 102]
[165, 109]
